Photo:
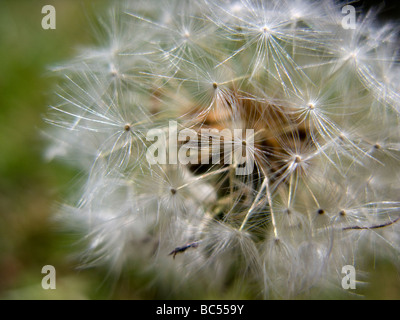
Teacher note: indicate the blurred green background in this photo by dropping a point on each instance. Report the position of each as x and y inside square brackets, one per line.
[30, 187]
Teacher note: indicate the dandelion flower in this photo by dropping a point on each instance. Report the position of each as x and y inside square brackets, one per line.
[234, 140]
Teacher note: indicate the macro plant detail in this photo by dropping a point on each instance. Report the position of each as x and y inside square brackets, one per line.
[320, 103]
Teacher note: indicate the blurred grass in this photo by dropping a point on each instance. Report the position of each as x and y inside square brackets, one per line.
[30, 187]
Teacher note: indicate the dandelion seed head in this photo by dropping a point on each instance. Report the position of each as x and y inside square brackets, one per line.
[318, 109]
